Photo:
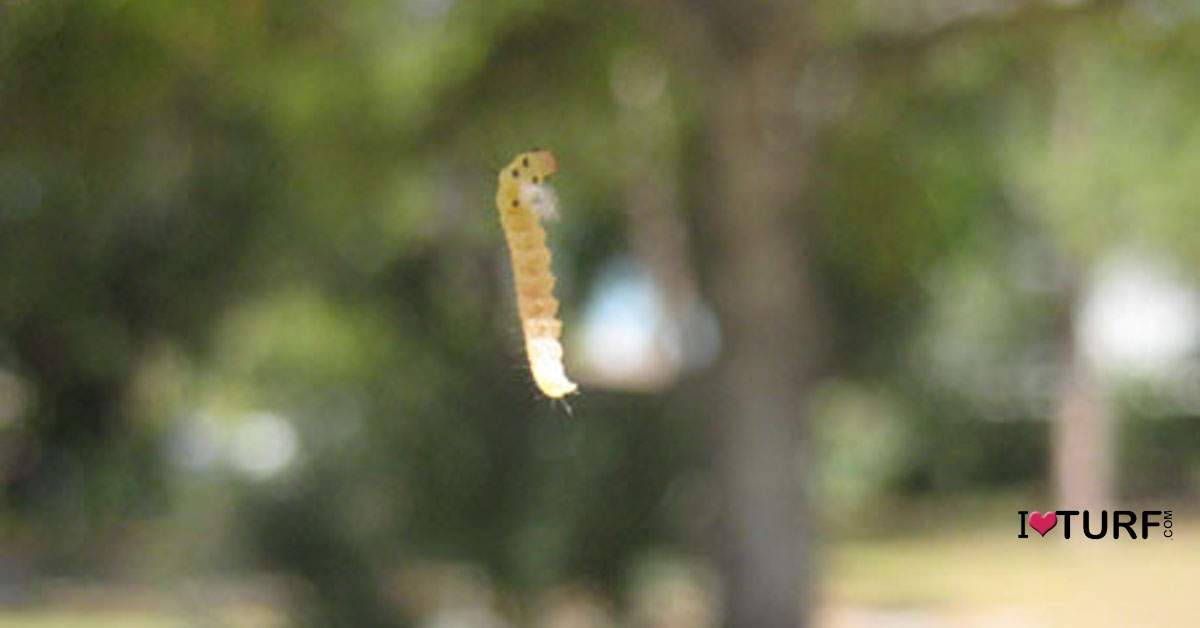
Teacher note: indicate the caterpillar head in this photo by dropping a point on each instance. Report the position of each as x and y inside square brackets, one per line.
[532, 167]
[530, 172]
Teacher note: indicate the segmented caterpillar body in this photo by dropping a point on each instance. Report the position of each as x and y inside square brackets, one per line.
[522, 197]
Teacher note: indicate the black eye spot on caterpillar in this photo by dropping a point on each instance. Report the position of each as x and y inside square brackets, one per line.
[525, 162]
[516, 173]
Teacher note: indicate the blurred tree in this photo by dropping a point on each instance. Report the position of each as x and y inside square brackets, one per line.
[1095, 169]
[747, 57]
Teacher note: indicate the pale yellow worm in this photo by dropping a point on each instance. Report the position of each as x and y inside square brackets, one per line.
[523, 197]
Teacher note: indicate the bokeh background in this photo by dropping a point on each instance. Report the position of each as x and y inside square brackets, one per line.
[846, 285]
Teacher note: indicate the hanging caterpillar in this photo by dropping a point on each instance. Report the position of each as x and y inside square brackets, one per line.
[522, 198]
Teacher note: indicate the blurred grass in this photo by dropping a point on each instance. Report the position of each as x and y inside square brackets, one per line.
[966, 574]
[964, 570]
[83, 618]
[68, 619]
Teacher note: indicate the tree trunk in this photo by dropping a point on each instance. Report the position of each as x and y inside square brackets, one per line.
[1082, 438]
[764, 298]
[1083, 443]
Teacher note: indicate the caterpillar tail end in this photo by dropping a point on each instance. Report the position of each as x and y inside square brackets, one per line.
[545, 361]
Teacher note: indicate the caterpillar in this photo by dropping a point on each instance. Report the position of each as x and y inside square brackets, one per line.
[522, 197]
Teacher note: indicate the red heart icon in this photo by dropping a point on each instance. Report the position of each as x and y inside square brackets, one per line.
[1043, 522]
